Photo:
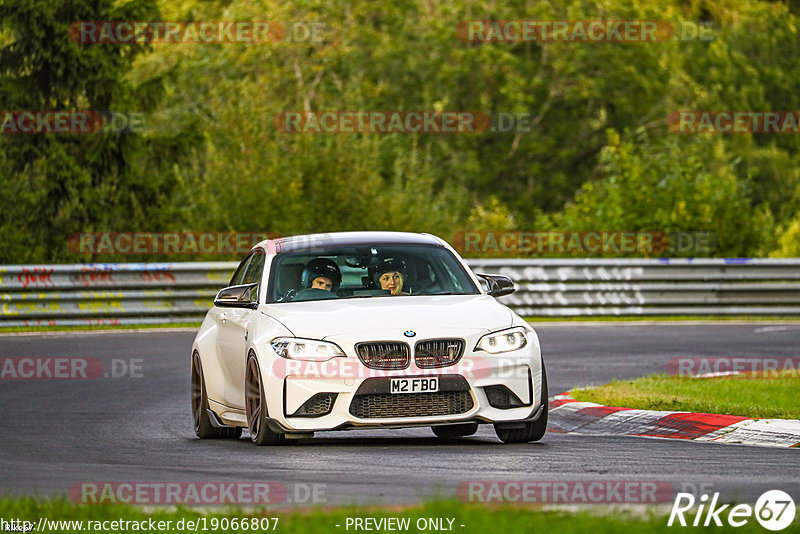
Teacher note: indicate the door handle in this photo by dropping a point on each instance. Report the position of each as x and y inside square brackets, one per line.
[245, 335]
[223, 317]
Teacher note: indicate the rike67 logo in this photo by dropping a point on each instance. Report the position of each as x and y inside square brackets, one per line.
[774, 510]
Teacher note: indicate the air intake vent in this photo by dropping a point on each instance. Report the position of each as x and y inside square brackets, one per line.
[432, 353]
[374, 399]
[501, 397]
[384, 354]
[378, 406]
[317, 406]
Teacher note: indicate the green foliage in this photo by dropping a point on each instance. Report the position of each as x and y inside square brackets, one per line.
[668, 185]
[55, 184]
[789, 240]
[213, 160]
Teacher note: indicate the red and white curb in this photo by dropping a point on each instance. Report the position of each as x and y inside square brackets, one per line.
[570, 416]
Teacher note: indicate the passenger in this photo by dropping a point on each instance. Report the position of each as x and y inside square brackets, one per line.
[390, 275]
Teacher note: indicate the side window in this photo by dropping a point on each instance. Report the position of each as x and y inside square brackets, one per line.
[255, 269]
[239, 274]
[253, 274]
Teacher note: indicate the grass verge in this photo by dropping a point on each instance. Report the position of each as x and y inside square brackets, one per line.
[476, 519]
[745, 395]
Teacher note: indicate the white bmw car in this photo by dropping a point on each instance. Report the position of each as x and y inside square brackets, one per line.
[359, 330]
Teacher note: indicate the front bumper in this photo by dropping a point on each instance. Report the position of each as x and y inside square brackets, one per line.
[344, 394]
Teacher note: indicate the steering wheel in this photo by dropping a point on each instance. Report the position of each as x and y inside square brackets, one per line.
[289, 296]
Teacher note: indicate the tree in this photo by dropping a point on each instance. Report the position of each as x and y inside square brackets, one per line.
[54, 184]
[673, 184]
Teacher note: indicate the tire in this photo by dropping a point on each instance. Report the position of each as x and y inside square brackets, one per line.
[256, 407]
[455, 431]
[202, 422]
[533, 430]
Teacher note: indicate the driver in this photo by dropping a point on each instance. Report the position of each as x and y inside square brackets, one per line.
[321, 274]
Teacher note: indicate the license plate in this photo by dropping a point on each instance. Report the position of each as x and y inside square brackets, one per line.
[414, 385]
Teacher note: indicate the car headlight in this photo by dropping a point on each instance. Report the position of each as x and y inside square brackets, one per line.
[503, 341]
[296, 348]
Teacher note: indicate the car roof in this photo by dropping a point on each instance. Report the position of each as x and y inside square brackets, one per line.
[345, 239]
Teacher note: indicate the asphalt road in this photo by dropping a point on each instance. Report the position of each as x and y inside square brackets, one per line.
[56, 433]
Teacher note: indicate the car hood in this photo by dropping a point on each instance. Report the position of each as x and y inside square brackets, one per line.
[325, 318]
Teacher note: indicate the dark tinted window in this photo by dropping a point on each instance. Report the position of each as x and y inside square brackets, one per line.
[425, 270]
[239, 274]
[254, 269]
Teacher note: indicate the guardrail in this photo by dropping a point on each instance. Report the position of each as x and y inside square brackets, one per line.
[559, 287]
[140, 293]
[110, 293]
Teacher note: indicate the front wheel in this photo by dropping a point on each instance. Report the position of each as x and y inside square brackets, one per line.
[202, 422]
[256, 407]
[531, 431]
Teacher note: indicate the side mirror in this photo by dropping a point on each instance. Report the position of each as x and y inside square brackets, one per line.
[245, 296]
[499, 285]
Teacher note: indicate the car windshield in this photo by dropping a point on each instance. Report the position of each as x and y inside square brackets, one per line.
[367, 271]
